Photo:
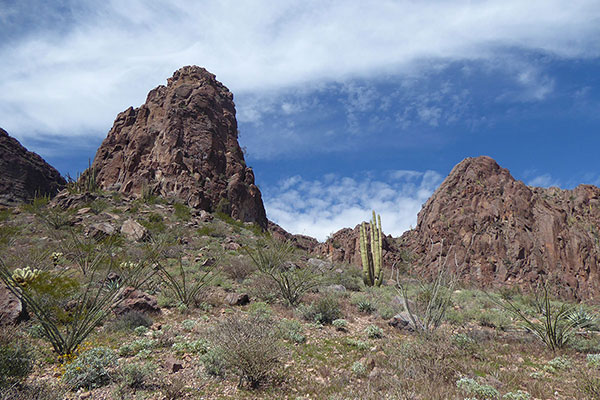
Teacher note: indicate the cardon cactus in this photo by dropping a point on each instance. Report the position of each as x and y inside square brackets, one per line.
[24, 276]
[371, 252]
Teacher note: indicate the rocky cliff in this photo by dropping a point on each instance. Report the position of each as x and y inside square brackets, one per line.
[495, 230]
[24, 174]
[504, 232]
[182, 142]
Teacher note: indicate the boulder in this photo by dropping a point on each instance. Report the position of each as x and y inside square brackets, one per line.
[134, 231]
[135, 300]
[12, 310]
[237, 299]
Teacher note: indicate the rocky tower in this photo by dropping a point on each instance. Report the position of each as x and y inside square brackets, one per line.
[24, 174]
[509, 233]
[182, 142]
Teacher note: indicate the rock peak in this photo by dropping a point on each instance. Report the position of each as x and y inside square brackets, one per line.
[182, 143]
[24, 174]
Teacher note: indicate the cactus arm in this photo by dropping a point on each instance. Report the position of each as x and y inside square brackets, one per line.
[365, 255]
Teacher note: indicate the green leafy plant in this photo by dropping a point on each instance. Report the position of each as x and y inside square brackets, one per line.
[374, 332]
[323, 311]
[472, 387]
[91, 368]
[273, 259]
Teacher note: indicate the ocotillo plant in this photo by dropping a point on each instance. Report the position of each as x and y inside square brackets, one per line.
[371, 253]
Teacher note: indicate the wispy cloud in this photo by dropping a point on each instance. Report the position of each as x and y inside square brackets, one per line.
[73, 77]
[321, 207]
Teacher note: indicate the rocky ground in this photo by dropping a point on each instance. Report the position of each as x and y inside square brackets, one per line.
[155, 347]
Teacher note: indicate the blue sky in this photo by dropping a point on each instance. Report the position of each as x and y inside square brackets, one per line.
[343, 106]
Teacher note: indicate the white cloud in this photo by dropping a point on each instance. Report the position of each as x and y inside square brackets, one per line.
[544, 180]
[320, 207]
[74, 80]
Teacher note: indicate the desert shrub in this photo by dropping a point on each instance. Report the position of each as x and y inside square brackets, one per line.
[471, 387]
[358, 344]
[238, 268]
[91, 368]
[340, 324]
[140, 330]
[188, 325]
[292, 330]
[518, 395]
[429, 359]
[174, 388]
[214, 362]
[187, 290]
[365, 306]
[199, 346]
[557, 364]
[359, 368]
[16, 359]
[428, 307]
[130, 320]
[133, 348]
[556, 326]
[250, 348]
[273, 259]
[593, 360]
[135, 375]
[464, 342]
[154, 223]
[182, 211]
[324, 311]
[350, 278]
[374, 332]
[33, 391]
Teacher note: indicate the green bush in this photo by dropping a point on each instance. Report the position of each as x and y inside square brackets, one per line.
[182, 211]
[199, 346]
[472, 387]
[292, 330]
[374, 332]
[518, 395]
[359, 368]
[214, 362]
[16, 360]
[324, 311]
[91, 369]
[135, 375]
[340, 324]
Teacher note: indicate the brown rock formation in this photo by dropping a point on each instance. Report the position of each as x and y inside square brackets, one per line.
[509, 233]
[24, 174]
[182, 142]
[344, 246]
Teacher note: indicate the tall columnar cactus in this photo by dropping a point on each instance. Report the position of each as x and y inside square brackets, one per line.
[371, 252]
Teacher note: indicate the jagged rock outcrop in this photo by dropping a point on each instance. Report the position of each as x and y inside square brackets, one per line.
[504, 232]
[182, 142]
[300, 241]
[344, 246]
[24, 174]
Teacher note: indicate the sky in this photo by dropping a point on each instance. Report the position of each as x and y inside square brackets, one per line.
[343, 106]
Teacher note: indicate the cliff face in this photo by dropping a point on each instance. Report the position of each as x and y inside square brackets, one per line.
[182, 142]
[496, 231]
[509, 233]
[24, 174]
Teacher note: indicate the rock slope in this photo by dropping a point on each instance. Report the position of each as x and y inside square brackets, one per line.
[182, 142]
[504, 232]
[24, 174]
